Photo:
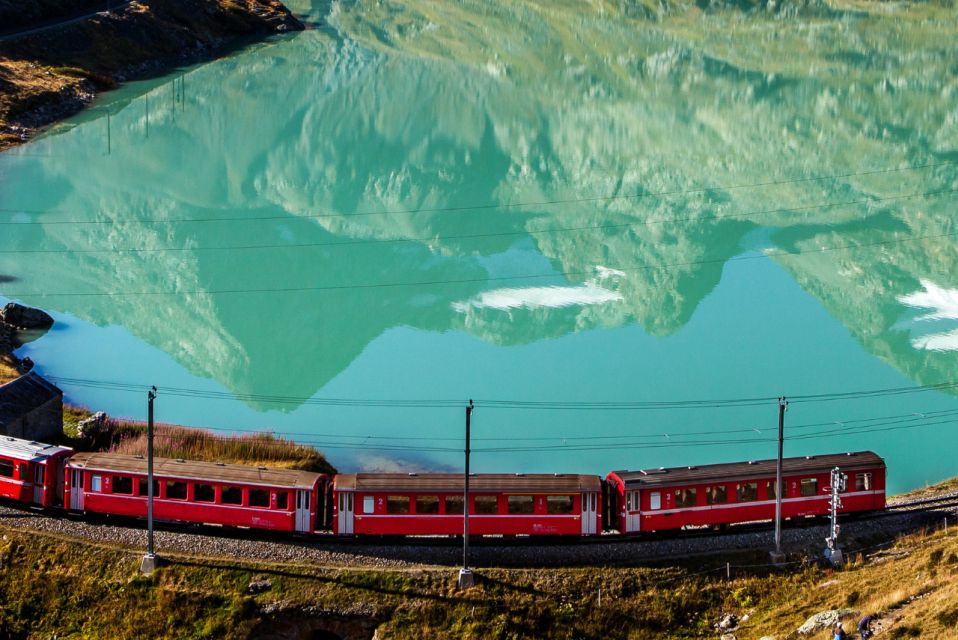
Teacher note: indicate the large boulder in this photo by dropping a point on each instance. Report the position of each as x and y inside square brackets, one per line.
[25, 317]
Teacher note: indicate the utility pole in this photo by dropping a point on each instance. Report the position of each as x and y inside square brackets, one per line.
[778, 556]
[839, 483]
[148, 565]
[466, 579]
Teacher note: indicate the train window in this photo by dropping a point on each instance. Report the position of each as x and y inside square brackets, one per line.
[397, 504]
[259, 497]
[453, 505]
[204, 493]
[282, 499]
[809, 486]
[23, 471]
[770, 488]
[40, 474]
[521, 504]
[427, 504]
[655, 500]
[6, 468]
[123, 484]
[684, 498]
[369, 504]
[231, 495]
[487, 504]
[746, 492]
[175, 490]
[143, 487]
[628, 501]
[863, 482]
[716, 494]
[96, 483]
[559, 504]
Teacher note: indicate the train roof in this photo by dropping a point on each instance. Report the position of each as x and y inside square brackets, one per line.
[28, 450]
[194, 470]
[453, 482]
[731, 471]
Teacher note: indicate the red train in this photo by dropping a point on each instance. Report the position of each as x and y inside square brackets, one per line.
[391, 504]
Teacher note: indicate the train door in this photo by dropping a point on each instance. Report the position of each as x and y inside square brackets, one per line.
[302, 511]
[589, 507]
[633, 513]
[345, 514]
[76, 489]
[39, 475]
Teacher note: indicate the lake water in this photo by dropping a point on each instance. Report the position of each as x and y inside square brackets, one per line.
[565, 212]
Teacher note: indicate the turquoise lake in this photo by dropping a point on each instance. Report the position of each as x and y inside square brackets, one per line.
[558, 210]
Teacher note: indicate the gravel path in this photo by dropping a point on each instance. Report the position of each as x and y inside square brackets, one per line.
[329, 552]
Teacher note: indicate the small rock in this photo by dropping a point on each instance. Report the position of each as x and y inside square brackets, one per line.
[259, 586]
[728, 621]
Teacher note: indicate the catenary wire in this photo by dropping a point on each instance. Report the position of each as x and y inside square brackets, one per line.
[463, 208]
[475, 236]
[488, 278]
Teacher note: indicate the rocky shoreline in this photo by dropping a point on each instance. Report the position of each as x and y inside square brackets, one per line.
[52, 74]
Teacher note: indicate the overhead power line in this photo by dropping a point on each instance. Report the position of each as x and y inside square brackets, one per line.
[481, 207]
[476, 236]
[492, 403]
[485, 279]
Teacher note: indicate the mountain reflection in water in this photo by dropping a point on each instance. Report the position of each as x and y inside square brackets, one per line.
[520, 173]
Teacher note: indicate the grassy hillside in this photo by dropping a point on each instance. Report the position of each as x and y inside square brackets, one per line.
[54, 585]
[53, 74]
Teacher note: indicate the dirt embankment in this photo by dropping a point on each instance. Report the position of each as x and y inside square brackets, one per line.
[51, 74]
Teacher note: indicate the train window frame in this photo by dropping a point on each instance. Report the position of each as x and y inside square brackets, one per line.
[456, 502]
[398, 505]
[716, 494]
[489, 505]
[40, 475]
[5, 466]
[179, 488]
[686, 498]
[96, 483]
[122, 485]
[228, 491]
[143, 487]
[655, 500]
[520, 505]
[369, 504]
[746, 492]
[560, 505]
[204, 492]
[261, 500]
[864, 481]
[427, 504]
[771, 490]
[23, 472]
[808, 487]
[282, 500]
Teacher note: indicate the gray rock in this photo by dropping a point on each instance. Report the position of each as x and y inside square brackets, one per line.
[25, 317]
[825, 620]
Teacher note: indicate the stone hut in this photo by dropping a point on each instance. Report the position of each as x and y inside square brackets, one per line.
[31, 408]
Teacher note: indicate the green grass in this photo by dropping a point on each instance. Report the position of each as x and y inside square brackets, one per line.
[53, 584]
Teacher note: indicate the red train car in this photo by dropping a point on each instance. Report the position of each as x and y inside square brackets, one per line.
[717, 494]
[499, 504]
[203, 492]
[32, 472]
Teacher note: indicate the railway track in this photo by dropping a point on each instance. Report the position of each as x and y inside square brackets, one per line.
[332, 551]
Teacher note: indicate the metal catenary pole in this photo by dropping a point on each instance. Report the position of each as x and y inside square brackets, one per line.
[779, 490]
[465, 574]
[149, 560]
